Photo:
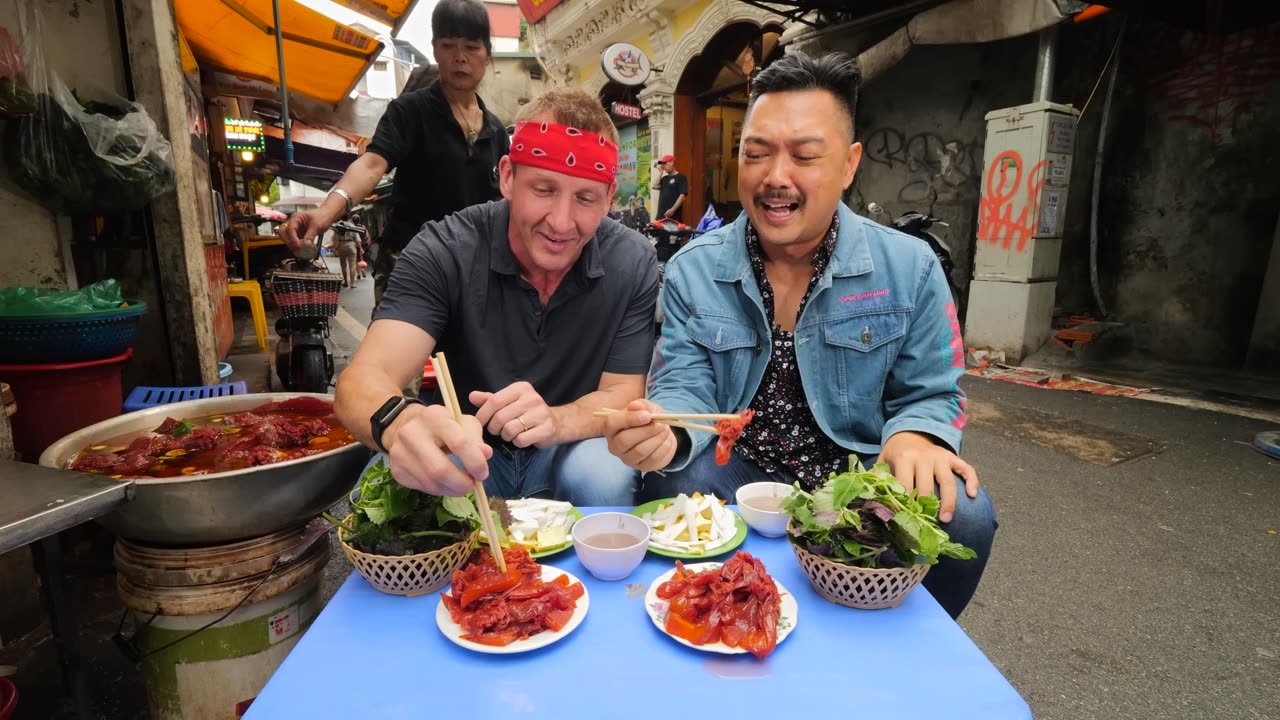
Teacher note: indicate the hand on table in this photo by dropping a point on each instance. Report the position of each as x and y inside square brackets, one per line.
[637, 440]
[917, 462]
[302, 228]
[518, 414]
[420, 442]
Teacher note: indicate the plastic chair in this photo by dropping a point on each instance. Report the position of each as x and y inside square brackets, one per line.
[145, 397]
[251, 290]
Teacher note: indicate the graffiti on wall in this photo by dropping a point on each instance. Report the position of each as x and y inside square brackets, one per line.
[932, 167]
[996, 222]
[1205, 79]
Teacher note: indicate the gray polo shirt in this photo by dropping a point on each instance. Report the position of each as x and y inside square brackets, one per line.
[458, 280]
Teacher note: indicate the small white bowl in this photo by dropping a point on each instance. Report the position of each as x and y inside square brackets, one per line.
[613, 562]
[769, 523]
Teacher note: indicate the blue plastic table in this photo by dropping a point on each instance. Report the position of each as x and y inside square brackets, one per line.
[373, 655]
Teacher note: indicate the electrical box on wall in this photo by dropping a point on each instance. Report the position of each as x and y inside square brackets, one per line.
[1025, 181]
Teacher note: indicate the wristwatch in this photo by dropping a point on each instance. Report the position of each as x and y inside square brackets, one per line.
[385, 415]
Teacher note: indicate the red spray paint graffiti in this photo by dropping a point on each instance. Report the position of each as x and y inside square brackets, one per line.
[996, 223]
[1206, 79]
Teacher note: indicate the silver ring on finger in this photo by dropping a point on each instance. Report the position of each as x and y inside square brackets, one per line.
[522, 423]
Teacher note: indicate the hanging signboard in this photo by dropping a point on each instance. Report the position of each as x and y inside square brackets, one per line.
[628, 112]
[244, 134]
[535, 10]
[625, 64]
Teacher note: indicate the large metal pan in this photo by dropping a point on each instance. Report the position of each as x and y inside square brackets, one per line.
[219, 507]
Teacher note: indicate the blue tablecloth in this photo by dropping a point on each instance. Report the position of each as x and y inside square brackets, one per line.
[377, 656]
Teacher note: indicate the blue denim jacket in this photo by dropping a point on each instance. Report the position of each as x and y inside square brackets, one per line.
[878, 343]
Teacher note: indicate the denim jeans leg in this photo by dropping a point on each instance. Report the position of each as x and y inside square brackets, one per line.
[703, 475]
[504, 473]
[953, 582]
[534, 476]
[586, 474]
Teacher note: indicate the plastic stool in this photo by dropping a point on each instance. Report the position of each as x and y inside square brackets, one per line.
[145, 397]
[251, 290]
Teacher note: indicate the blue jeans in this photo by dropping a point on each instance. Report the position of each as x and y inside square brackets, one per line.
[584, 473]
[951, 582]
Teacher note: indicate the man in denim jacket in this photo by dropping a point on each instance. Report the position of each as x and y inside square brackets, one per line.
[840, 333]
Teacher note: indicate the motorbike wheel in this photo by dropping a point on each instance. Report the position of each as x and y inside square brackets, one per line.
[310, 371]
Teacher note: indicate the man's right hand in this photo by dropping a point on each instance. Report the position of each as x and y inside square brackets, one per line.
[420, 442]
[637, 440]
[304, 227]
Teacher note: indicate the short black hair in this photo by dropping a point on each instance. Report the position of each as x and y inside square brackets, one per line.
[466, 19]
[836, 72]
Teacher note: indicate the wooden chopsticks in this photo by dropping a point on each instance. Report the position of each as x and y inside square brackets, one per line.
[482, 500]
[679, 419]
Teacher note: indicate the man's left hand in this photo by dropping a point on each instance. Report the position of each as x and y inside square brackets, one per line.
[917, 462]
[518, 414]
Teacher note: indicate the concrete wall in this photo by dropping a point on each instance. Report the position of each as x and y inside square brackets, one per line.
[1189, 197]
[922, 129]
[507, 86]
[83, 47]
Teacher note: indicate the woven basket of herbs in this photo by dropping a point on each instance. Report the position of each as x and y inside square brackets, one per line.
[863, 540]
[406, 542]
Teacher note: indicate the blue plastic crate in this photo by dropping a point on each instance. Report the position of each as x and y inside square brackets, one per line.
[145, 397]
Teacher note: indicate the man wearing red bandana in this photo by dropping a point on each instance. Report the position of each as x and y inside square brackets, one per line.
[544, 309]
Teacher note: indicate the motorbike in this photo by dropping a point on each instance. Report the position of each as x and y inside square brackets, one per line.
[667, 236]
[920, 225]
[307, 294]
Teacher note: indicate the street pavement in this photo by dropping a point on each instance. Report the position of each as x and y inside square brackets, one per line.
[1147, 588]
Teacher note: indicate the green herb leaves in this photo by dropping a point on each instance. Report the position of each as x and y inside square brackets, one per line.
[184, 428]
[866, 518]
[388, 518]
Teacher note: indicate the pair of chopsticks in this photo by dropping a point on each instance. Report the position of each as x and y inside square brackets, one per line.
[482, 500]
[680, 420]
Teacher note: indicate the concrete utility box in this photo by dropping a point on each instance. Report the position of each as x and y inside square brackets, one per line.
[1027, 170]
[1026, 176]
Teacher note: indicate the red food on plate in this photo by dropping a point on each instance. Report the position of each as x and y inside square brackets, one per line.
[736, 604]
[730, 431]
[497, 608]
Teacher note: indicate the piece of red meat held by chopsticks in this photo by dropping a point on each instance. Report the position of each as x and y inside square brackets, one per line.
[730, 431]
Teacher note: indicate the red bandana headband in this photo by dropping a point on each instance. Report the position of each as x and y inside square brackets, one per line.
[564, 149]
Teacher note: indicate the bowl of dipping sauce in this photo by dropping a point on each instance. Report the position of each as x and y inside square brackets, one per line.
[610, 545]
[760, 504]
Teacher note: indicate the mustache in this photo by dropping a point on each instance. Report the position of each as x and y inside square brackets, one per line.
[780, 197]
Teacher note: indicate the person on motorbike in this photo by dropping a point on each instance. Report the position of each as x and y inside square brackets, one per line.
[544, 307]
[443, 140]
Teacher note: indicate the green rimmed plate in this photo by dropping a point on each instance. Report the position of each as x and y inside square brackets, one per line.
[733, 543]
[574, 513]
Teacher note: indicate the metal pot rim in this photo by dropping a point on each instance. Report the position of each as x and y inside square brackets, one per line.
[57, 454]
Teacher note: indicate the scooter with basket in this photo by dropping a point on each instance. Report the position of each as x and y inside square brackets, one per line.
[307, 294]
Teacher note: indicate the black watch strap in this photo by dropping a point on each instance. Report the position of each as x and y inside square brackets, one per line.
[386, 415]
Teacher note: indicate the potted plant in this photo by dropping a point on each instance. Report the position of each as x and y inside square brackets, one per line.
[863, 540]
[403, 541]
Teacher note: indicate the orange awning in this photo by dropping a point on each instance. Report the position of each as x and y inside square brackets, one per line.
[387, 12]
[323, 59]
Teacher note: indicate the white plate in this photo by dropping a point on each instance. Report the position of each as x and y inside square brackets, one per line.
[454, 631]
[788, 611]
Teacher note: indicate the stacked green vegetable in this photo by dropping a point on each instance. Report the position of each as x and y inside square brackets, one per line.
[388, 518]
[866, 518]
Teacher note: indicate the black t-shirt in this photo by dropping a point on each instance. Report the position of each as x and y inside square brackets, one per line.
[437, 171]
[671, 187]
[458, 280]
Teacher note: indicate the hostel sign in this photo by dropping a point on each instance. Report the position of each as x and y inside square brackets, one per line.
[244, 134]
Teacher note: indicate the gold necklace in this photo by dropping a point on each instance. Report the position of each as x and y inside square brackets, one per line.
[462, 116]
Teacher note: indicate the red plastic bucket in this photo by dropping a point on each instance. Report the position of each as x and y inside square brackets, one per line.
[56, 400]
